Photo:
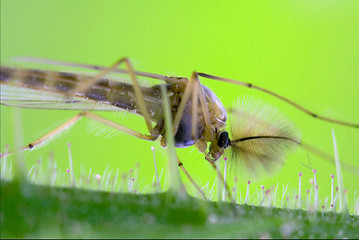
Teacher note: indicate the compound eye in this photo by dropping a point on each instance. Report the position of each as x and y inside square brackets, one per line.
[223, 140]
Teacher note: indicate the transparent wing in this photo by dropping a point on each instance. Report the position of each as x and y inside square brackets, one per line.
[96, 68]
[39, 99]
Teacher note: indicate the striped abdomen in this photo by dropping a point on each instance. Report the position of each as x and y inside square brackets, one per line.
[103, 91]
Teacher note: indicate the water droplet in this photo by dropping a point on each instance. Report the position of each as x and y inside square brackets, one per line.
[212, 218]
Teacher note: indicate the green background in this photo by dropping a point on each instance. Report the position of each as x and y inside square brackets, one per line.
[306, 50]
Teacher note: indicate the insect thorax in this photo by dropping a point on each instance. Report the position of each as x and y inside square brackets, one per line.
[217, 114]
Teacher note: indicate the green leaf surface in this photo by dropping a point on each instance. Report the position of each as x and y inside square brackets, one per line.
[33, 211]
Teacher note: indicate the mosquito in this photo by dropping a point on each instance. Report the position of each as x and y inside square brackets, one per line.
[199, 117]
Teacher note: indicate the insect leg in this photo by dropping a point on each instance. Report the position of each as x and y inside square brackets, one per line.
[206, 118]
[203, 102]
[182, 105]
[52, 133]
[136, 86]
[120, 127]
[197, 92]
[224, 183]
[299, 107]
[194, 110]
[170, 136]
[73, 120]
[139, 96]
[180, 165]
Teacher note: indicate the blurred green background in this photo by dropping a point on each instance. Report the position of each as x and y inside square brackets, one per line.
[305, 50]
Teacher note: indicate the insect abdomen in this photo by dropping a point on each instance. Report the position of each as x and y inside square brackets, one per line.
[39, 80]
[6, 74]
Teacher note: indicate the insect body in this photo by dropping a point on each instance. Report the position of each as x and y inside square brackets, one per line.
[111, 95]
[257, 135]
